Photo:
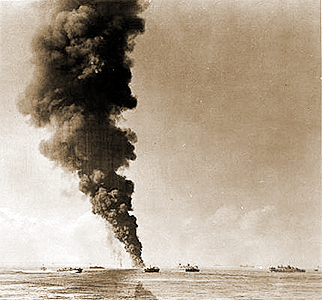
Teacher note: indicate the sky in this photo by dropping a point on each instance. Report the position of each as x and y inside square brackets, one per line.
[229, 142]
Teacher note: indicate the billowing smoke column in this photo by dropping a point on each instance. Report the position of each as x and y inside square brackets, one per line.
[80, 87]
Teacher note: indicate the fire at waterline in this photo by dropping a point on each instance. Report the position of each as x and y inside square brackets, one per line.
[79, 89]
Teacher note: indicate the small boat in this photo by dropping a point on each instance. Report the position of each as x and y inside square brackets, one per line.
[192, 268]
[96, 267]
[286, 269]
[246, 266]
[152, 269]
[70, 270]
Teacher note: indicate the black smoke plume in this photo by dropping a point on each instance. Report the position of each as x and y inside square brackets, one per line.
[80, 87]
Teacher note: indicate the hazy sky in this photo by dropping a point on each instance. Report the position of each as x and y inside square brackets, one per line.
[229, 142]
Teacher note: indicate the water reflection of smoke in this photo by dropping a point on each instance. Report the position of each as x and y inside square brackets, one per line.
[142, 293]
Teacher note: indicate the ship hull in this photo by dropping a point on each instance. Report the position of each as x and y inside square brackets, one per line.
[288, 269]
[193, 270]
[152, 270]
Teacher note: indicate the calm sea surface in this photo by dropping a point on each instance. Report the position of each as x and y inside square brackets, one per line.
[168, 284]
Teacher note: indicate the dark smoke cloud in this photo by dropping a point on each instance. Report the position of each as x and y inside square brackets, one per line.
[80, 87]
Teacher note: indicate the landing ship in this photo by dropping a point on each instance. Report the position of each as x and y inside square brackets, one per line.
[284, 269]
[192, 268]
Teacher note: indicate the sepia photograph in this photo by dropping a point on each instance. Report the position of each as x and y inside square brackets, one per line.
[160, 149]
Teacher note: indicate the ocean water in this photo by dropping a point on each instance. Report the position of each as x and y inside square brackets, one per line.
[168, 284]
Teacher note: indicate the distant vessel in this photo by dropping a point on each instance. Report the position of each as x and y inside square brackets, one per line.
[189, 268]
[151, 269]
[70, 269]
[96, 267]
[286, 269]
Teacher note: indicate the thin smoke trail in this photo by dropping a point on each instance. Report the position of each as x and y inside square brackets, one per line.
[80, 87]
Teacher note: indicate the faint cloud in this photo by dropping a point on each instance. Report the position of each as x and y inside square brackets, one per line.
[25, 240]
